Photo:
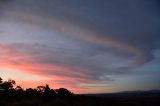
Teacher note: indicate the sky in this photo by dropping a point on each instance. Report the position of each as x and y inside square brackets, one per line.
[87, 46]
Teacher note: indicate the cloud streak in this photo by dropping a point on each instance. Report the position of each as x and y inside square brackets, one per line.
[71, 45]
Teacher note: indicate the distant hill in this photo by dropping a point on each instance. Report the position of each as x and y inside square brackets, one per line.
[127, 94]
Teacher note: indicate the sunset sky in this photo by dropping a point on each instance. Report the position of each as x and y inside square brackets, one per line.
[87, 46]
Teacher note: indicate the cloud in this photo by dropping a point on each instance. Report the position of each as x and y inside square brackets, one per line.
[78, 40]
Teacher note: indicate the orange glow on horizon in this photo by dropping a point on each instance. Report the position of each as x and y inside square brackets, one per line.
[28, 75]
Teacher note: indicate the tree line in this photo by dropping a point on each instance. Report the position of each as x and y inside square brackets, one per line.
[10, 91]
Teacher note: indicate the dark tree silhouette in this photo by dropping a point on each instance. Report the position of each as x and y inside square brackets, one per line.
[7, 85]
[1, 80]
[40, 88]
[49, 93]
[63, 92]
[19, 89]
[8, 91]
[31, 92]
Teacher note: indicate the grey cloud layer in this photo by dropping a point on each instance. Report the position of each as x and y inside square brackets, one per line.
[136, 23]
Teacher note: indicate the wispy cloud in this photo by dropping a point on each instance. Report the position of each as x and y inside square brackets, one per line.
[89, 43]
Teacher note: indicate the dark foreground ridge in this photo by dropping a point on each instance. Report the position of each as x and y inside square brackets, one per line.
[12, 95]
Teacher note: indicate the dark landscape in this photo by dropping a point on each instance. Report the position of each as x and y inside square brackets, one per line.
[45, 96]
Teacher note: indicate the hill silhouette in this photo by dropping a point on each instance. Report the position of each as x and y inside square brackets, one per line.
[13, 95]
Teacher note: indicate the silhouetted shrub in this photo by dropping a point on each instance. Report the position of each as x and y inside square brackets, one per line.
[63, 92]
